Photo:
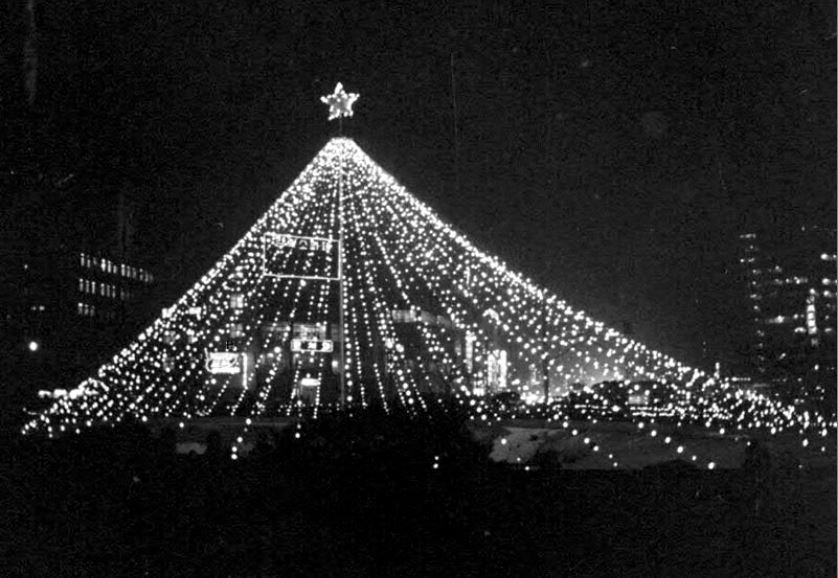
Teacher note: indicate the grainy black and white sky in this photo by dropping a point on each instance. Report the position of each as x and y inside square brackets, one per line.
[625, 145]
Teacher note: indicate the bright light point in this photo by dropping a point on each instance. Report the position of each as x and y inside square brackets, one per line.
[340, 102]
[33, 346]
[653, 433]
[711, 466]
[503, 441]
[805, 442]
[667, 440]
[680, 449]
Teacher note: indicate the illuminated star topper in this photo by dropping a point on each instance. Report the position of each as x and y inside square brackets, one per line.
[340, 103]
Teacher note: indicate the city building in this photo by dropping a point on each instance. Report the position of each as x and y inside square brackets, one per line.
[72, 288]
[791, 308]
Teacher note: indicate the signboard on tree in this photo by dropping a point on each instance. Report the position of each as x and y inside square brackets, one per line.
[300, 256]
[312, 345]
[224, 362]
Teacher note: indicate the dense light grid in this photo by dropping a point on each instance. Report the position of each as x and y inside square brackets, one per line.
[398, 255]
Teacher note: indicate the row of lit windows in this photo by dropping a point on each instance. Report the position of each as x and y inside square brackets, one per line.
[88, 310]
[801, 330]
[108, 266]
[781, 319]
[786, 281]
[104, 289]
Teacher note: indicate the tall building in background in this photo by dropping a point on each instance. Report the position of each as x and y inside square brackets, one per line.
[73, 288]
[73, 285]
[791, 308]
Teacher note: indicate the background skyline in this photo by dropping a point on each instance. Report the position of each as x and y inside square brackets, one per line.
[623, 149]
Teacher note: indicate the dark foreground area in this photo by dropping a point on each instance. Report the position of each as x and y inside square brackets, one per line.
[362, 497]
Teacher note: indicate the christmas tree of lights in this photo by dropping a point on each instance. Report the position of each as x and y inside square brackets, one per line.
[350, 292]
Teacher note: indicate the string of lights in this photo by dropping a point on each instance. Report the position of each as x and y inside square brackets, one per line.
[398, 258]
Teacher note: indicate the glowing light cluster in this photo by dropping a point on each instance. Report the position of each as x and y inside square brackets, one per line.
[398, 255]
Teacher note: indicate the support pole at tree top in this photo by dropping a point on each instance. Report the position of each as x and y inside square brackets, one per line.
[340, 105]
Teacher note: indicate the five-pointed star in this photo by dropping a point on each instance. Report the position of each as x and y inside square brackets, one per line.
[340, 103]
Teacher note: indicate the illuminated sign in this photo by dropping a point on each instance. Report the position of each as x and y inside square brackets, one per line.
[470, 339]
[279, 241]
[310, 256]
[496, 370]
[310, 331]
[224, 362]
[312, 345]
[419, 316]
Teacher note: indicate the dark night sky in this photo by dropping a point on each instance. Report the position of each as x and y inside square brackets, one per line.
[625, 144]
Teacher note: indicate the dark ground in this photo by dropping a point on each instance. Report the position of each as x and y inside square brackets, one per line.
[362, 498]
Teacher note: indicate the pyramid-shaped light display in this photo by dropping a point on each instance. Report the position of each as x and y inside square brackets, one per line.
[350, 291]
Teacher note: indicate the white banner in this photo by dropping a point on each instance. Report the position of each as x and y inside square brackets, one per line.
[312, 345]
[224, 362]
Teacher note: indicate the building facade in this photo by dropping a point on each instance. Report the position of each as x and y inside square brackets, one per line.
[791, 309]
[70, 294]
